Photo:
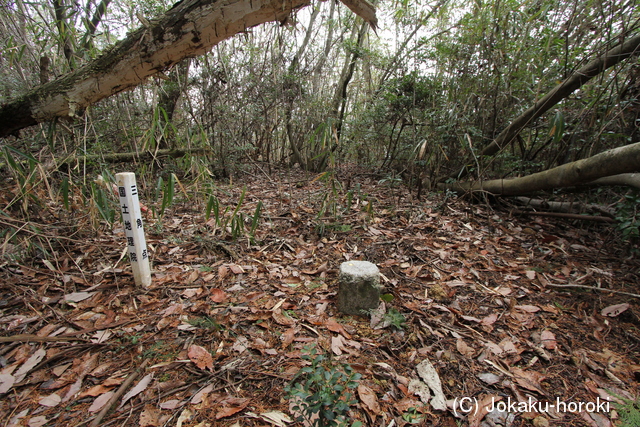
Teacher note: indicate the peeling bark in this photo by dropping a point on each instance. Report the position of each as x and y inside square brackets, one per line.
[188, 29]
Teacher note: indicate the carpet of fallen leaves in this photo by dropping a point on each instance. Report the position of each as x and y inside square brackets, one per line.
[479, 296]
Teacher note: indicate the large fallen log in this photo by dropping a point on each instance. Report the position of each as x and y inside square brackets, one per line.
[174, 153]
[619, 160]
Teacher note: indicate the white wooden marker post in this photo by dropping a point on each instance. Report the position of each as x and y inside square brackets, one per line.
[132, 221]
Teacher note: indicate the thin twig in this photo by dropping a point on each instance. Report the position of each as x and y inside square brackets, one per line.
[594, 288]
[35, 338]
[125, 385]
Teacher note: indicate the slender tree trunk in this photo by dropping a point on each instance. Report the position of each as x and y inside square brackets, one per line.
[188, 29]
[564, 89]
[292, 75]
[401, 51]
[620, 160]
[168, 101]
[64, 31]
[340, 97]
[317, 71]
[92, 24]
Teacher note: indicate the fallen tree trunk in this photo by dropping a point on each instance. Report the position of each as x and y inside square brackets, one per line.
[174, 153]
[190, 28]
[611, 162]
[565, 207]
[561, 91]
[580, 217]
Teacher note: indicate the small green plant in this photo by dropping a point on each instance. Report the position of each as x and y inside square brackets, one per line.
[235, 222]
[329, 205]
[168, 190]
[629, 412]
[628, 216]
[412, 416]
[391, 180]
[158, 351]
[25, 173]
[255, 219]
[321, 392]
[395, 319]
[205, 322]
[103, 200]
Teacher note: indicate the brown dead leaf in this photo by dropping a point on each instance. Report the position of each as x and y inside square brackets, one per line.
[528, 308]
[199, 396]
[27, 366]
[282, 319]
[288, 337]
[482, 408]
[495, 348]
[322, 268]
[369, 398]
[614, 310]
[548, 340]
[223, 271]
[94, 391]
[231, 406]
[464, 349]
[50, 401]
[337, 344]
[150, 416]
[529, 379]
[200, 357]
[100, 401]
[139, 388]
[332, 325]
[218, 295]
[236, 269]
[489, 320]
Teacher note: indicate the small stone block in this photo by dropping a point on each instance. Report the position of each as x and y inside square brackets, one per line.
[358, 288]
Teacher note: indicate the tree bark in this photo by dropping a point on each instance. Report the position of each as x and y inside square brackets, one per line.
[170, 93]
[620, 160]
[340, 96]
[564, 89]
[64, 31]
[626, 179]
[188, 29]
[565, 207]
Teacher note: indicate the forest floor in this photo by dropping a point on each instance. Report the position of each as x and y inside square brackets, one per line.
[477, 314]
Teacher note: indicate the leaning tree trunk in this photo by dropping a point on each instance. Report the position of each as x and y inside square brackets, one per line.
[620, 160]
[188, 29]
[564, 89]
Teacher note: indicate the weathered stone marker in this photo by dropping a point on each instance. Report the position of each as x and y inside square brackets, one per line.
[358, 288]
